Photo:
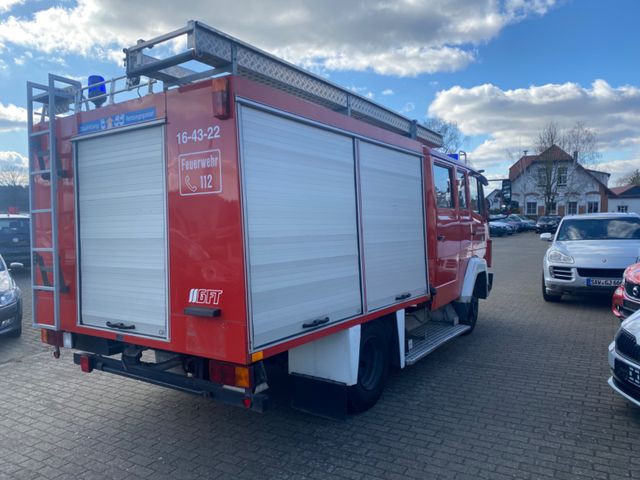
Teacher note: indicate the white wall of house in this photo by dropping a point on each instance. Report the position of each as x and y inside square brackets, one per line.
[580, 189]
[631, 204]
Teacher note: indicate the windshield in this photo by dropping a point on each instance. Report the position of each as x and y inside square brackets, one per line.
[600, 229]
[10, 225]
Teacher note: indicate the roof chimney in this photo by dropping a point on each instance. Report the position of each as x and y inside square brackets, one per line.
[575, 155]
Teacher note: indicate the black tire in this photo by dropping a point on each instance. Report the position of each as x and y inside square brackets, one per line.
[373, 368]
[548, 297]
[15, 333]
[470, 316]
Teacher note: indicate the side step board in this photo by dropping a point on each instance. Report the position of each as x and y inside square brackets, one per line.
[429, 337]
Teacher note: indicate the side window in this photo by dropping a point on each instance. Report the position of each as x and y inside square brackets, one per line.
[462, 190]
[442, 184]
[474, 198]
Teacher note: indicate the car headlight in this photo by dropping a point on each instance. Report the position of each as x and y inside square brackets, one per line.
[557, 256]
[8, 297]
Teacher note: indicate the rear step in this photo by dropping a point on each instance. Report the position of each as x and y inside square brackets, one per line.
[430, 336]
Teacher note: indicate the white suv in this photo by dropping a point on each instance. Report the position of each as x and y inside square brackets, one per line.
[589, 253]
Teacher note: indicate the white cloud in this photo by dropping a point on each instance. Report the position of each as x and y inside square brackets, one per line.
[403, 37]
[408, 107]
[7, 5]
[387, 92]
[13, 158]
[12, 117]
[364, 91]
[512, 118]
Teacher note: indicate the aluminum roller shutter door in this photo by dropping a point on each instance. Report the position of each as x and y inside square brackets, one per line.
[300, 209]
[393, 224]
[122, 230]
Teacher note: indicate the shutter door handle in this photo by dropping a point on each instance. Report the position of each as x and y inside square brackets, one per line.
[441, 238]
[315, 323]
[121, 326]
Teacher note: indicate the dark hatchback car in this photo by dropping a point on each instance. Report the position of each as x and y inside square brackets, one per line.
[547, 223]
[14, 238]
[10, 301]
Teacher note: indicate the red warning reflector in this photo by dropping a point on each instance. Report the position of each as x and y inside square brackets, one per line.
[247, 402]
[85, 364]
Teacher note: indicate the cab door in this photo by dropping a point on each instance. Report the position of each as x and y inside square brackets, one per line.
[464, 219]
[447, 229]
[477, 205]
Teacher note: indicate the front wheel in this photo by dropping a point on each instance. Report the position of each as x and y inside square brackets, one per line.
[373, 368]
[470, 316]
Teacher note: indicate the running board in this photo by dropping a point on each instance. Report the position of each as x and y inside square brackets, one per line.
[431, 336]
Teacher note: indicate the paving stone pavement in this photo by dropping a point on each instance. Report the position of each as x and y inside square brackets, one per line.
[524, 396]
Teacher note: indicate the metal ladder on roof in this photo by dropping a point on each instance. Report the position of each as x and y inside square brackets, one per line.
[228, 55]
[55, 99]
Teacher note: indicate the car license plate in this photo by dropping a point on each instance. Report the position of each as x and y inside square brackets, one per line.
[603, 282]
[630, 374]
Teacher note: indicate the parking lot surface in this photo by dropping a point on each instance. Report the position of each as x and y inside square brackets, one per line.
[524, 396]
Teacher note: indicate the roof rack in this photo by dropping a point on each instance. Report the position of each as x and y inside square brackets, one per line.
[228, 55]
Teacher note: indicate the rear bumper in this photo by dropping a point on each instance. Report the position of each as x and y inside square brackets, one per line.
[231, 396]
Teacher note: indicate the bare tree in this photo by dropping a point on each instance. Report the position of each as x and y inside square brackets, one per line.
[631, 178]
[582, 142]
[12, 175]
[452, 138]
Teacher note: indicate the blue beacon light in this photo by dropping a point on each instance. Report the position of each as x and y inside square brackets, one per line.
[97, 88]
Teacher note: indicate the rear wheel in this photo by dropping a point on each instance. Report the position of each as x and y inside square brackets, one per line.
[373, 368]
[547, 296]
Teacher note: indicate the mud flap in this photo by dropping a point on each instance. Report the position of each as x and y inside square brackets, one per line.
[320, 397]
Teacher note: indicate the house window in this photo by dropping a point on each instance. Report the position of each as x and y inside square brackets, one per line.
[572, 208]
[623, 208]
[532, 208]
[551, 208]
[592, 207]
[542, 176]
[562, 176]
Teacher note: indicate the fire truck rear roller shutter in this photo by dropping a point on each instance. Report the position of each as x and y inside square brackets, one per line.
[122, 231]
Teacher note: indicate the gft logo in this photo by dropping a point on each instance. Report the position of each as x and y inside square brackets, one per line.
[204, 296]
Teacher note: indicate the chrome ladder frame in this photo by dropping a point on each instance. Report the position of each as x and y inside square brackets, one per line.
[55, 101]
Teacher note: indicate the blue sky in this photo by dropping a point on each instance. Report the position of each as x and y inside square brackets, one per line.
[500, 69]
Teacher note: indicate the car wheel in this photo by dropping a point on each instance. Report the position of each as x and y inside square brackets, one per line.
[15, 333]
[547, 296]
[373, 368]
[470, 316]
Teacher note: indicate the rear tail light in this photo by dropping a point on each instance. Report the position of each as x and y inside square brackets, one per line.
[51, 337]
[227, 374]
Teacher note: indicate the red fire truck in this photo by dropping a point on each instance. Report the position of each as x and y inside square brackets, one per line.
[248, 211]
